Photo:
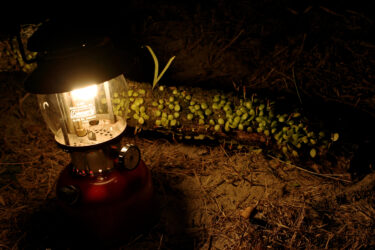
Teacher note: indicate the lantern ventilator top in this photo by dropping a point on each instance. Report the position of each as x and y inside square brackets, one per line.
[80, 87]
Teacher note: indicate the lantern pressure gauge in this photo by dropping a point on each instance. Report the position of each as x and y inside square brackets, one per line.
[129, 156]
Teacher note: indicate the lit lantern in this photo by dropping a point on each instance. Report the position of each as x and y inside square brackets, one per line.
[85, 116]
[82, 95]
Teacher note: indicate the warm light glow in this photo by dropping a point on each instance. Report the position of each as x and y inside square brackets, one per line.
[83, 101]
[85, 94]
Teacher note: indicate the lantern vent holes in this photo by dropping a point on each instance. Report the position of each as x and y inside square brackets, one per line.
[101, 132]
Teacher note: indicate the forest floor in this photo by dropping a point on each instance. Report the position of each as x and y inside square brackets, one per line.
[213, 197]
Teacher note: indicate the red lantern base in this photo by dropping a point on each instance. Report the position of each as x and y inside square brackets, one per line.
[108, 206]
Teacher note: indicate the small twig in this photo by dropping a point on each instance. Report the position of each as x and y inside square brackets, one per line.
[15, 246]
[135, 240]
[161, 241]
[230, 43]
[213, 58]
[330, 237]
[310, 172]
[330, 11]
[298, 226]
[295, 85]
[20, 102]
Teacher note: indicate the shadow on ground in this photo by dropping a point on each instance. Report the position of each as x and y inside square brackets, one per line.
[50, 228]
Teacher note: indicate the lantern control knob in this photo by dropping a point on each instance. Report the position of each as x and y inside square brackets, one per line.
[69, 194]
[129, 156]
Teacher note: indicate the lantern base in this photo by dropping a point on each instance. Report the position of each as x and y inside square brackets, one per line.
[108, 207]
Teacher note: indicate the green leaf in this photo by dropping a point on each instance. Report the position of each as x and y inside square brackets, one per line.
[158, 76]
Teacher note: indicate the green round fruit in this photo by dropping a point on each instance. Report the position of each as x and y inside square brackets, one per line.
[164, 122]
[134, 107]
[216, 98]
[141, 120]
[226, 108]
[173, 122]
[313, 153]
[215, 106]
[227, 127]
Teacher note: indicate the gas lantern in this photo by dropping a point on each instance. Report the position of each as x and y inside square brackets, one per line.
[82, 94]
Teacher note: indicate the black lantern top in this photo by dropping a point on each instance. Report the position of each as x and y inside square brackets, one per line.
[70, 56]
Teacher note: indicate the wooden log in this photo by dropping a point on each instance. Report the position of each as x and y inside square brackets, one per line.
[200, 114]
[180, 120]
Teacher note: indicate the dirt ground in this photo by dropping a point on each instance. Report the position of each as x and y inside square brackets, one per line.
[212, 197]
